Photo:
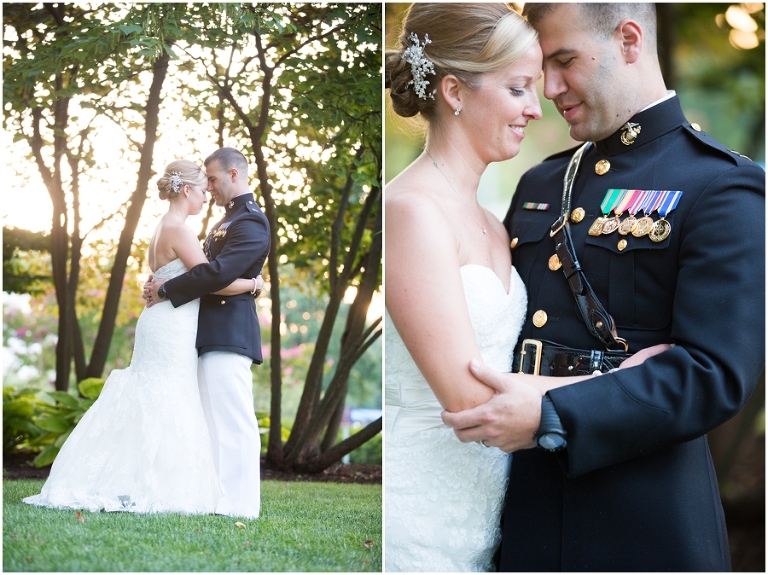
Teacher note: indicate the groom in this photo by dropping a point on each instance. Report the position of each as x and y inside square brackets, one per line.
[630, 485]
[228, 335]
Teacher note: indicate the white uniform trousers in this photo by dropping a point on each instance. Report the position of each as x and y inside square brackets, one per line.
[226, 392]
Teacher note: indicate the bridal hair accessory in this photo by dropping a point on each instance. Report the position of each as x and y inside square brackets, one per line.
[176, 181]
[421, 66]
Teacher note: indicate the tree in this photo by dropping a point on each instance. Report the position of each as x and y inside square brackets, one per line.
[296, 87]
[298, 57]
[59, 53]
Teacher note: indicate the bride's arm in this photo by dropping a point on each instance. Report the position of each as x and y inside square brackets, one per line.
[425, 298]
[187, 247]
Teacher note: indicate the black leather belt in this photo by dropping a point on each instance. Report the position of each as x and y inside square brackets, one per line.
[540, 357]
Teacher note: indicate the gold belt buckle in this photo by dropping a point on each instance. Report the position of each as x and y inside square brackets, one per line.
[537, 362]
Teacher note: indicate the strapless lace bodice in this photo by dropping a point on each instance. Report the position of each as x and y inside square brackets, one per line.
[443, 498]
[170, 270]
[497, 317]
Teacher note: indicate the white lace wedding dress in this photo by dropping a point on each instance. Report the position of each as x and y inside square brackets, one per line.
[143, 446]
[443, 498]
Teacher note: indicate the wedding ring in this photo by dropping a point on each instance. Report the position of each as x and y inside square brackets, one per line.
[482, 442]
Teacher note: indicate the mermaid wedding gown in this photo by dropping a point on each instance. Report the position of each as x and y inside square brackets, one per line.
[443, 498]
[143, 446]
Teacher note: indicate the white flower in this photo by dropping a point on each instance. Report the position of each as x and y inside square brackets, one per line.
[421, 66]
[176, 182]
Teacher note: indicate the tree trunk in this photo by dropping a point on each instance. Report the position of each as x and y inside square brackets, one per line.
[354, 341]
[112, 301]
[339, 450]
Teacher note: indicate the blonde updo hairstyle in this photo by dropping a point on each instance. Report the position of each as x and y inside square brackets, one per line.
[466, 40]
[189, 172]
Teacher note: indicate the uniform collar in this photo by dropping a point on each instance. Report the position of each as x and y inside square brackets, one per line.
[238, 201]
[654, 122]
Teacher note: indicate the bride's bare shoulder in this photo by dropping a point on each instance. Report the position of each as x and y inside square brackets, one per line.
[412, 201]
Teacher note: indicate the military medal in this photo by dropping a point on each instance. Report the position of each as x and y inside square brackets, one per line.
[645, 223]
[221, 232]
[629, 224]
[662, 228]
[609, 201]
[613, 224]
[597, 226]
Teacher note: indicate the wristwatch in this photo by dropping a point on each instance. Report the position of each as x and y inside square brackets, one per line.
[161, 292]
[550, 435]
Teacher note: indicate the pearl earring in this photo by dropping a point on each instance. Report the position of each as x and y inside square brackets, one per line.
[456, 112]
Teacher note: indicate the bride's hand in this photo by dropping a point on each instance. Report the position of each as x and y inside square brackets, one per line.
[644, 354]
[148, 286]
[150, 294]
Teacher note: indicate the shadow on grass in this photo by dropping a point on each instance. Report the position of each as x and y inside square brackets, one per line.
[303, 527]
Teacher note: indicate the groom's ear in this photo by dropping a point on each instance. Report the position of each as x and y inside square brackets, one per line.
[451, 88]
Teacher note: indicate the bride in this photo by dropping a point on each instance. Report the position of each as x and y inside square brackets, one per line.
[452, 295]
[143, 446]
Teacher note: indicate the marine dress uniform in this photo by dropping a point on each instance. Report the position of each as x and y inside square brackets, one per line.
[635, 488]
[228, 342]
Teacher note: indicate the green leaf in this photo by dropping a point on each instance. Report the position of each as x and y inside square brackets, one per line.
[46, 456]
[64, 398]
[57, 423]
[129, 28]
[170, 52]
[91, 387]
[62, 438]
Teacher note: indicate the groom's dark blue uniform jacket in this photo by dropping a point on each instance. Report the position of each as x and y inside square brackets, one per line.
[237, 247]
[635, 489]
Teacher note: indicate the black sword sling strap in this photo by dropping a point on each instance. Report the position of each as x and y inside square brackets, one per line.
[597, 319]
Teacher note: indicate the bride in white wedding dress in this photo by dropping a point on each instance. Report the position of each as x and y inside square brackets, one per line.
[143, 446]
[452, 294]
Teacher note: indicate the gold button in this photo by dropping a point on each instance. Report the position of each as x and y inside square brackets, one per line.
[513, 243]
[602, 167]
[622, 245]
[578, 215]
[555, 263]
[540, 318]
[599, 325]
[695, 126]
[223, 301]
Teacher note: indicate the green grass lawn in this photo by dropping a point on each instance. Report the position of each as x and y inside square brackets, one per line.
[303, 527]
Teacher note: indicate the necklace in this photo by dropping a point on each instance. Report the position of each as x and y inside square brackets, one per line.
[434, 163]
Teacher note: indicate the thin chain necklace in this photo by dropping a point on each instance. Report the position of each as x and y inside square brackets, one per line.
[434, 163]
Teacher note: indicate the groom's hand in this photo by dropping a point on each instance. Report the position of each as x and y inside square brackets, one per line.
[508, 420]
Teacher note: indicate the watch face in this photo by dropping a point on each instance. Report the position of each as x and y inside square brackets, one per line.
[552, 441]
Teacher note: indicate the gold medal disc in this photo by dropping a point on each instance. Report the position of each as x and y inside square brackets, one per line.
[627, 226]
[610, 225]
[643, 226]
[660, 231]
[597, 226]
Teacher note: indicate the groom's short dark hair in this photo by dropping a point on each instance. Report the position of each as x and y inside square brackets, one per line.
[603, 18]
[229, 158]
